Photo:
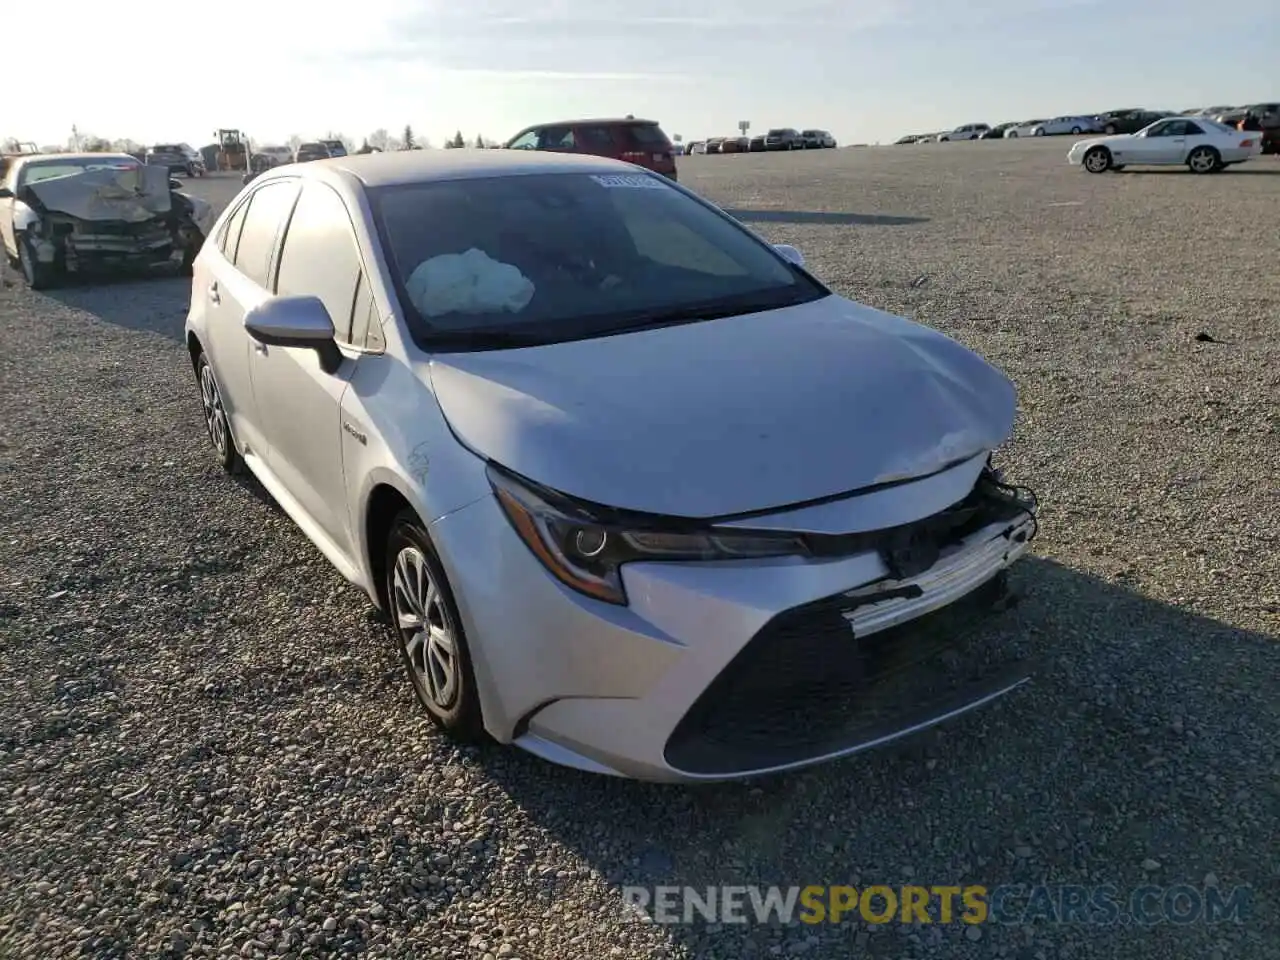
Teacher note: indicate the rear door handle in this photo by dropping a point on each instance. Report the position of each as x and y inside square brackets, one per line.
[214, 295]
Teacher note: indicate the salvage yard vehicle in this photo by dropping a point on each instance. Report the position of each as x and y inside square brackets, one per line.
[180, 158]
[533, 404]
[1204, 146]
[817, 140]
[642, 142]
[83, 212]
[314, 150]
[969, 131]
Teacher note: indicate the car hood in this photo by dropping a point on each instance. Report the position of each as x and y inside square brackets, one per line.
[132, 195]
[730, 416]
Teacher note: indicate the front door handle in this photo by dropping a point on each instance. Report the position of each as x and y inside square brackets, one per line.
[214, 295]
[1179, 139]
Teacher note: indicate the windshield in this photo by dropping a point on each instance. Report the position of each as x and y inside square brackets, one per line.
[559, 256]
[36, 171]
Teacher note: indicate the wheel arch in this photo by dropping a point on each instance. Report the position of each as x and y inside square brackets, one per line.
[383, 504]
[194, 347]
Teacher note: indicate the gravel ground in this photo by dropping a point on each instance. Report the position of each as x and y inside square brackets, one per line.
[207, 748]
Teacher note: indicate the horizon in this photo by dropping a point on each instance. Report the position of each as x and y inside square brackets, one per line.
[698, 67]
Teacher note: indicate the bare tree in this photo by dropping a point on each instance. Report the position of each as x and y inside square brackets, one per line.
[379, 139]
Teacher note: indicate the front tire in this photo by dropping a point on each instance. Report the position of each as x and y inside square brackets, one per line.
[1204, 160]
[39, 276]
[215, 418]
[1097, 160]
[1039, 132]
[429, 631]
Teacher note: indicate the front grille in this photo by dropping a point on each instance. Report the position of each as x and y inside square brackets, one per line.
[805, 686]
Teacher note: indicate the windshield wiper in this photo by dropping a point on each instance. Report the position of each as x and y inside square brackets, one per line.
[487, 339]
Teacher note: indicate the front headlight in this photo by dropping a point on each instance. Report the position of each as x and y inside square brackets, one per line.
[584, 549]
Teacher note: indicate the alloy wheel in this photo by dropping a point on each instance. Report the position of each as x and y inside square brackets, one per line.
[425, 629]
[215, 416]
[1096, 161]
[1202, 160]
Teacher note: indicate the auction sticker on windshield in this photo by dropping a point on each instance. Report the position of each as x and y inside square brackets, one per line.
[628, 180]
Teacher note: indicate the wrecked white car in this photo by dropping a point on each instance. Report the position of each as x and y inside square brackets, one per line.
[67, 214]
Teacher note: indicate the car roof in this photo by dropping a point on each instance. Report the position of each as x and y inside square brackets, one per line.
[421, 166]
[593, 121]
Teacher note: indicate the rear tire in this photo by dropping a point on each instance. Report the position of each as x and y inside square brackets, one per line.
[1076, 131]
[1039, 132]
[429, 631]
[1097, 160]
[1204, 160]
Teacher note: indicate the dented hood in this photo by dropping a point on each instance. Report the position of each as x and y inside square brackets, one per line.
[730, 416]
[131, 195]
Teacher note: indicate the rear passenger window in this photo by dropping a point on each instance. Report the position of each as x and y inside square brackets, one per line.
[268, 207]
[595, 138]
[320, 257]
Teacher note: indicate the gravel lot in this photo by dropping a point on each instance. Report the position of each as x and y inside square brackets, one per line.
[207, 747]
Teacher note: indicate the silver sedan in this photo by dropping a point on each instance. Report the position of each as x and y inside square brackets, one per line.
[635, 490]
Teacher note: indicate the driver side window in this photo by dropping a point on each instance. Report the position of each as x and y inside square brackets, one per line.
[526, 141]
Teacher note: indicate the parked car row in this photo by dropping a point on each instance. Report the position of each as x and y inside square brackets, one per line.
[779, 138]
[1260, 117]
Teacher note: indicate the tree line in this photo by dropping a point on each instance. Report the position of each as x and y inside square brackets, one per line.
[379, 140]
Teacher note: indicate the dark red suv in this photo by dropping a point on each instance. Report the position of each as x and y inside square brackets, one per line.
[641, 142]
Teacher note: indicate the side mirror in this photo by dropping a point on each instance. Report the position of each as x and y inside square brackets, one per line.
[790, 253]
[175, 184]
[5, 193]
[301, 321]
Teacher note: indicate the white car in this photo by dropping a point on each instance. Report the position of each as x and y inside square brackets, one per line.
[1026, 129]
[1202, 145]
[534, 405]
[1060, 126]
[969, 131]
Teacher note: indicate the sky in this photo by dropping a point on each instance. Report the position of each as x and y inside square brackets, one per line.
[866, 70]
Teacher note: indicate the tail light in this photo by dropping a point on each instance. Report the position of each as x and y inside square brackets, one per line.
[1247, 142]
[634, 156]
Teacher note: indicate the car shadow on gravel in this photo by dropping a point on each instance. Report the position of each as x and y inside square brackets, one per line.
[820, 218]
[1146, 737]
[146, 304]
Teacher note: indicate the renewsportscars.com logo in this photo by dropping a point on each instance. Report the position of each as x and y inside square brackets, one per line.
[970, 904]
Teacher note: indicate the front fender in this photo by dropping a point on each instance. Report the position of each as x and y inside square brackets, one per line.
[24, 218]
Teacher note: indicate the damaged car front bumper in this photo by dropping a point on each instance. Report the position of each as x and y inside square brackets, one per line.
[106, 219]
[727, 669]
